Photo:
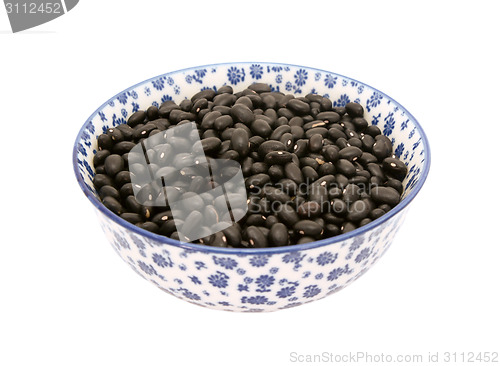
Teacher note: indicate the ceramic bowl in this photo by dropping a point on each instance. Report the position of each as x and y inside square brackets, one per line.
[254, 280]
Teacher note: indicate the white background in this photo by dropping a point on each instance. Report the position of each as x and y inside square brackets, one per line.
[67, 299]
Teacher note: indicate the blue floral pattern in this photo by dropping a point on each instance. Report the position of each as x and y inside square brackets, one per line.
[253, 281]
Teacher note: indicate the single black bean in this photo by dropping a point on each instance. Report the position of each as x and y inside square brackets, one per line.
[376, 171]
[316, 130]
[308, 228]
[109, 191]
[261, 128]
[149, 226]
[347, 227]
[309, 209]
[354, 109]
[225, 89]
[259, 167]
[279, 132]
[314, 124]
[131, 217]
[326, 169]
[271, 220]
[223, 122]
[208, 94]
[309, 174]
[224, 99]
[278, 157]
[255, 237]
[239, 141]
[358, 210]
[211, 144]
[104, 142]
[260, 87]
[255, 220]
[278, 235]
[367, 158]
[258, 180]
[381, 149]
[387, 195]
[376, 213]
[297, 106]
[350, 153]
[208, 120]
[396, 184]
[100, 156]
[233, 235]
[136, 118]
[268, 146]
[372, 130]
[293, 172]
[339, 207]
[345, 167]
[315, 143]
[395, 168]
[127, 131]
[241, 113]
[113, 164]
[287, 215]
[113, 205]
[123, 147]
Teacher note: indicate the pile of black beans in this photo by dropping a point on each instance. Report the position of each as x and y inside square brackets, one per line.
[312, 171]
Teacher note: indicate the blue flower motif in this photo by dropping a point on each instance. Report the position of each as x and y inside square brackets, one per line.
[190, 295]
[82, 149]
[195, 280]
[335, 274]
[155, 104]
[365, 253]
[248, 280]
[375, 119]
[256, 71]
[404, 124]
[159, 83]
[330, 81]
[360, 89]
[389, 124]
[300, 77]
[138, 243]
[146, 268]
[254, 300]
[200, 73]
[311, 291]
[147, 91]
[89, 168]
[342, 101]
[275, 68]
[226, 262]
[373, 101]
[235, 75]
[288, 86]
[170, 81]
[356, 243]
[279, 79]
[326, 258]
[286, 291]
[412, 132]
[111, 104]
[122, 98]
[102, 116]
[241, 271]
[120, 240]
[200, 265]
[317, 76]
[177, 89]
[118, 121]
[224, 303]
[242, 287]
[135, 107]
[165, 98]
[218, 280]
[399, 150]
[263, 282]
[189, 79]
[162, 261]
[90, 127]
[259, 260]
[273, 270]
[85, 135]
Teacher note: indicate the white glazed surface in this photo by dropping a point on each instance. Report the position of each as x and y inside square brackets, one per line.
[255, 280]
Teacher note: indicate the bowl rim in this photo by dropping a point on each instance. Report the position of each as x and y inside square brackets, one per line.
[252, 251]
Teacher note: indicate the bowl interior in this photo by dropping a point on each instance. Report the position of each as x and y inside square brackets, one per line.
[409, 141]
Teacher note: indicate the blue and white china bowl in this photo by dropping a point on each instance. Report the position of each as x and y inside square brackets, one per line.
[254, 280]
